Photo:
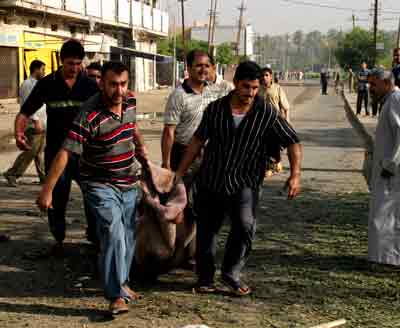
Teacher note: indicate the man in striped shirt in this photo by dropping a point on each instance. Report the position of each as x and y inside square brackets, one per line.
[238, 132]
[63, 92]
[106, 137]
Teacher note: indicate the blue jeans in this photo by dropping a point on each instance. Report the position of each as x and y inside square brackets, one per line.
[114, 211]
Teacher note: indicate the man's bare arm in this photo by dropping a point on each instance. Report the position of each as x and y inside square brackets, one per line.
[192, 151]
[295, 154]
[167, 140]
[20, 124]
[139, 143]
[56, 170]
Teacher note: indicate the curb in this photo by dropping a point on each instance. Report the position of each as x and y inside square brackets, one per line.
[366, 137]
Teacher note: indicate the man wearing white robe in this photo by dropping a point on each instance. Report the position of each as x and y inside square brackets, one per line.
[384, 215]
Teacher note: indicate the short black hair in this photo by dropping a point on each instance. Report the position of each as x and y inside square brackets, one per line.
[115, 66]
[247, 70]
[266, 69]
[72, 49]
[36, 64]
[94, 65]
[194, 53]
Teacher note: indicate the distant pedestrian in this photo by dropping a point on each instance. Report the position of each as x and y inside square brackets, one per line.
[274, 94]
[337, 81]
[237, 132]
[351, 78]
[35, 132]
[362, 89]
[63, 92]
[104, 134]
[94, 72]
[396, 67]
[384, 219]
[324, 81]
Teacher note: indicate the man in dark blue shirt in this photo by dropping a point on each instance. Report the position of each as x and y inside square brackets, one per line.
[362, 89]
[63, 92]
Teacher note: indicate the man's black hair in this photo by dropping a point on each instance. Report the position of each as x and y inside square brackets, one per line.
[247, 70]
[114, 66]
[36, 64]
[72, 49]
[194, 53]
[266, 69]
[95, 65]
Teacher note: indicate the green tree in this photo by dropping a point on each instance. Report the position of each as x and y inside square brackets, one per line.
[225, 54]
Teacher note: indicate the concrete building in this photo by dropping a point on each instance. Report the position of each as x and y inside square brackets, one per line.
[227, 34]
[124, 30]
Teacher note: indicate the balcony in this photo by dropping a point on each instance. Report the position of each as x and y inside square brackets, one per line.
[119, 13]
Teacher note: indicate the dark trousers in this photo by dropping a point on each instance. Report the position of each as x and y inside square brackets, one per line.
[177, 152]
[56, 215]
[324, 87]
[362, 95]
[212, 209]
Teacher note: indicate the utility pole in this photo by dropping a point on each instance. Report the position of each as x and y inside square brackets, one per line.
[183, 31]
[398, 36]
[174, 75]
[213, 25]
[210, 22]
[375, 30]
[242, 8]
[354, 20]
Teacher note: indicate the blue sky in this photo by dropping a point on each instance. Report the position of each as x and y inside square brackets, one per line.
[284, 16]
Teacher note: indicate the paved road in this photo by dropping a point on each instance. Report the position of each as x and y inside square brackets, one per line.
[295, 241]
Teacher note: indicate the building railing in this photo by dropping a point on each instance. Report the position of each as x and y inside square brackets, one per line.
[127, 12]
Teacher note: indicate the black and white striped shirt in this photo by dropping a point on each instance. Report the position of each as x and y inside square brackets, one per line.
[235, 158]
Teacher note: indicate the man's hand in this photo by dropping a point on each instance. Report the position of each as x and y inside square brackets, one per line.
[166, 166]
[45, 200]
[293, 186]
[143, 152]
[22, 141]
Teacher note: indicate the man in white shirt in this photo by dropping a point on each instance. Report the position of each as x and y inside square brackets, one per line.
[35, 131]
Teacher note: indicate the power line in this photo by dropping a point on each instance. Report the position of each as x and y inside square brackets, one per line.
[327, 6]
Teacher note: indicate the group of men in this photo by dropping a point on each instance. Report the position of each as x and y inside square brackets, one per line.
[217, 138]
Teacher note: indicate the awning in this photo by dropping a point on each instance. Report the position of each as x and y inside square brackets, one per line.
[140, 54]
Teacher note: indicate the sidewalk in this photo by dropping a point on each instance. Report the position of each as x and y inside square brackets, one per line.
[364, 125]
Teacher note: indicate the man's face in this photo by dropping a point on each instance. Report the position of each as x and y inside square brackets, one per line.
[40, 73]
[94, 75]
[212, 74]
[200, 69]
[72, 67]
[396, 56]
[246, 90]
[364, 66]
[377, 87]
[267, 79]
[114, 86]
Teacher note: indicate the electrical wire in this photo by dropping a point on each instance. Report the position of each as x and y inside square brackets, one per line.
[327, 6]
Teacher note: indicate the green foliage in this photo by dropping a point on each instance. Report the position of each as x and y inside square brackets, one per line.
[225, 54]
[358, 46]
[166, 47]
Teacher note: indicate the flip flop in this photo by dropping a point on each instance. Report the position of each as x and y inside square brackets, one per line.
[205, 289]
[236, 287]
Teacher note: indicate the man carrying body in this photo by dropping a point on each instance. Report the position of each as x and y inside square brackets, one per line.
[384, 219]
[184, 109]
[274, 94]
[35, 133]
[362, 89]
[396, 67]
[104, 134]
[237, 132]
[63, 92]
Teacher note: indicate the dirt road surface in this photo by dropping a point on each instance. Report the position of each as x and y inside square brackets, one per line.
[308, 265]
